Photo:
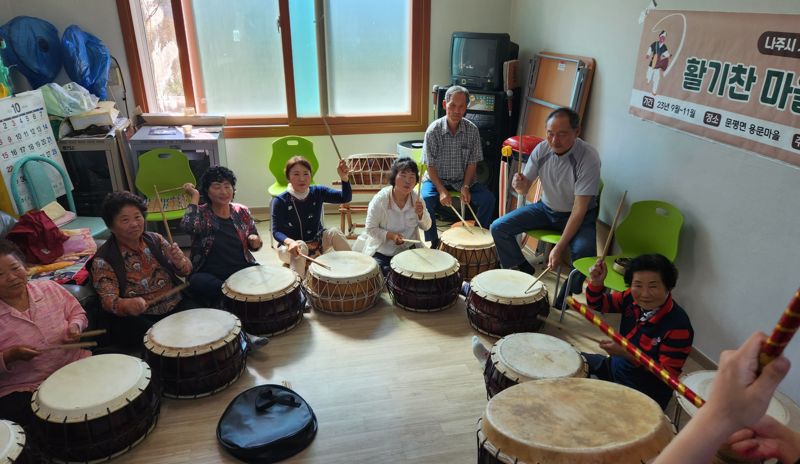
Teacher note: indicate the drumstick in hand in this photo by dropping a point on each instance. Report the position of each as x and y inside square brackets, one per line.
[315, 261]
[164, 217]
[69, 346]
[546, 270]
[93, 333]
[167, 294]
[474, 215]
[332, 140]
[469, 229]
[613, 226]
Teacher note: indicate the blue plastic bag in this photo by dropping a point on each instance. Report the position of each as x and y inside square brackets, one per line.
[86, 60]
[32, 45]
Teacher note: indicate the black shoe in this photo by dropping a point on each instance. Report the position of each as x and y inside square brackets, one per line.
[526, 268]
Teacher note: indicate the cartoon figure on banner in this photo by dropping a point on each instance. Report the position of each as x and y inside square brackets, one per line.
[658, 57]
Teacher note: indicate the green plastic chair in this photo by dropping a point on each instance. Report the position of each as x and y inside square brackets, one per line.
[651, 226]
[42, 192]
[283, 149]
[167, 169]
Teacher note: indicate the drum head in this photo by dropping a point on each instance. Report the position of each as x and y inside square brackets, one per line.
[469, 238]
[260, 283]
[345, 266]
[566, 421]
[12, 441]
[507, 286]
[192, 332]
[424, 263]
[90, 388]
[700, 383]
[533, 356]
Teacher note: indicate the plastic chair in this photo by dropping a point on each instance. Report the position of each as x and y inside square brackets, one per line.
[651, 226]
[166, 169]
[283, 149]
[42, 192]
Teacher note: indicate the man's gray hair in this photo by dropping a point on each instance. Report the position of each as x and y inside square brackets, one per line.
[454, 90]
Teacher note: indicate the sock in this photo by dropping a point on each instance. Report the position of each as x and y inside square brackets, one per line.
[480, 351]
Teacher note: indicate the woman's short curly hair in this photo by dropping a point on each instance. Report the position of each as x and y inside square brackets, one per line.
[115, 201]
[9, 248]
[400, 165]
[655, 263]
[216, 174]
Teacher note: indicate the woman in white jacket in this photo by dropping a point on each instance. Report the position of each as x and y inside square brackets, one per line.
[394, 214]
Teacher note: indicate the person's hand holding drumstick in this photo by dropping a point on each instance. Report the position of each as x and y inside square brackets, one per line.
[73, 333]
[394, 237]
[520, 183]
[419, 208]
[343, 171]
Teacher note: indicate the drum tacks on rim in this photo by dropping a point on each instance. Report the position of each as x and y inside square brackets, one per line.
[96, 408]
[563, 421]
[267, 299]
[473, 247]
[497, 304]
[197, 352]
[523, 357]
[351, 284]
[13, 444]
[424, 280]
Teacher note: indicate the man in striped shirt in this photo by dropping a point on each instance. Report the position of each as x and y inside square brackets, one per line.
[651, 321]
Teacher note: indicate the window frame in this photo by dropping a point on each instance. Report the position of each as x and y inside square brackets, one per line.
[263, 126]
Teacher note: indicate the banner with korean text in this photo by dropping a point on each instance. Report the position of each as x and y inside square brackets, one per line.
[729, 77]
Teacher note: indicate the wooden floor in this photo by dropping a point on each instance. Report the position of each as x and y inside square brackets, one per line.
[387, 386]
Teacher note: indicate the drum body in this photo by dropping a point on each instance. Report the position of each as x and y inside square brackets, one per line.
[424, 280]
[523, 357]
[370, 168]
[498, 304]
[197, 352]
[13, 444]
[473, 247]
[700, 383]
[350, 285]
[95, 408]
[267, 299]
[556, 421]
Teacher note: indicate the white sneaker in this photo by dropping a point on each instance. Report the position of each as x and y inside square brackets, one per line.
[480, 351]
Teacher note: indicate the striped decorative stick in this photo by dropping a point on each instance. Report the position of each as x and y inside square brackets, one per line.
[782, 333]
[644, 359]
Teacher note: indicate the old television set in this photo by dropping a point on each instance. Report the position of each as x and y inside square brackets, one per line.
[476, 59]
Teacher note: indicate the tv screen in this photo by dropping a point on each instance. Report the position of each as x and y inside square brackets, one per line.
[473, 57]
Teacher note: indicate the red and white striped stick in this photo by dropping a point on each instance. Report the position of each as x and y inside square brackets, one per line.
[782, 333]
[642, 358]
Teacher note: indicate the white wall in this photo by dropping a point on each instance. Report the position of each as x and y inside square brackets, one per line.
[739, 257]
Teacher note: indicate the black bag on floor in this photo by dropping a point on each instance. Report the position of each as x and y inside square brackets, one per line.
[266, 424]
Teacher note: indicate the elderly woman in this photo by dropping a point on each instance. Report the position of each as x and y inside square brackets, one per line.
[297, 215]
[135, 271]
[34, 316]
[223, 234]
[394, 214]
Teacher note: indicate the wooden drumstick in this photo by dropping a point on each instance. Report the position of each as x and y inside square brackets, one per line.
[613, 226]
[175, 189]
[640, 357]
[315, 261]
[331, 136]
[68, 346]
[519, 150]
[782, 333]
[546, 270]
[467, 226]
[411, 240]
[167, 294]
[474, 215]
[164, 217]
[93, 333]
[567, 329]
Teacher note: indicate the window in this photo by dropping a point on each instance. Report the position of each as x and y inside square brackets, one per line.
[276, 66]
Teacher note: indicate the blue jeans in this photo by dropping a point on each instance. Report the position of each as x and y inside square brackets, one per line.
[539, 216]
[482, 199]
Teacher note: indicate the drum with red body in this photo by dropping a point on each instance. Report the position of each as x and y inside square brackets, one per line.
[95, 408]
[473, 247]
[13, 444]
[424, 280]
[498, 303]
[267, 299]
[197, 352]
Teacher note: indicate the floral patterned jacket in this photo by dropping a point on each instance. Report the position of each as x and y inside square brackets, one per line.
[201, 222]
